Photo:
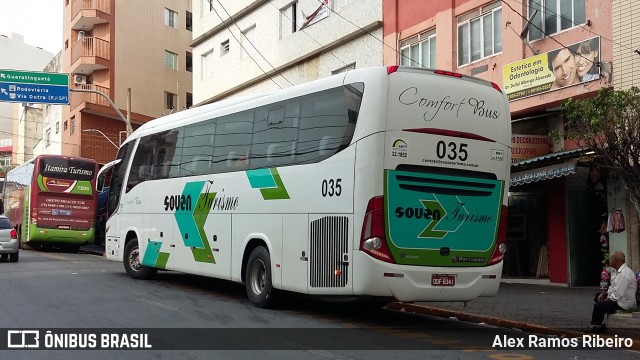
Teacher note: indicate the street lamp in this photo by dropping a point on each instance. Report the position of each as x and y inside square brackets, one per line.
[101, 133]
[126, 120]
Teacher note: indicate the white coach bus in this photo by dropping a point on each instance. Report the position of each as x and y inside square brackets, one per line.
[381, 183]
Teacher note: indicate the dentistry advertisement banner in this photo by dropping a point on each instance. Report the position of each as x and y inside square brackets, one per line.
[566, 66]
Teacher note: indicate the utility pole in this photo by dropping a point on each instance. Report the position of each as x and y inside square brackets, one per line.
[125, 119]
[128, 122]
[177, 96]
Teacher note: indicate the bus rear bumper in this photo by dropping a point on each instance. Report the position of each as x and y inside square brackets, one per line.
[414, 283]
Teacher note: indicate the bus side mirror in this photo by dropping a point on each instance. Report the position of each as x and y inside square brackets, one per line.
[103, 170]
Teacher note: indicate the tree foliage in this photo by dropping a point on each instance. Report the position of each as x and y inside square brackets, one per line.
[4, 169]
[609, 125]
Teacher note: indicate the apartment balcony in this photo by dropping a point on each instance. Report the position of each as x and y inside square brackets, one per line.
[86, 14]
[90, 54]
[78, 98]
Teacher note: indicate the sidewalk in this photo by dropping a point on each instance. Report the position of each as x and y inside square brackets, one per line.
[530, 306]
[545, 309]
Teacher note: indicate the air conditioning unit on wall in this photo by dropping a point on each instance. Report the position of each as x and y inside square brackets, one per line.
[79, 79]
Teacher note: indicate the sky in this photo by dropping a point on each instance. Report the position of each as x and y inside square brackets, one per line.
[39, 21]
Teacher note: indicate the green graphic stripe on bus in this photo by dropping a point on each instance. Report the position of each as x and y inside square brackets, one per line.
[430, 212]
[269, 183]
[433, 206]
[200, 214]
[67, 186]
[191, 220]
[154, 257]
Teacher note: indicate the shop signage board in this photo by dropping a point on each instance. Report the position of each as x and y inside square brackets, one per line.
[567, 66]
[525, 147]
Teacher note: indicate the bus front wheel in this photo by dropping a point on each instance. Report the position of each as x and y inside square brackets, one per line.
[258, 283]
[132, 262]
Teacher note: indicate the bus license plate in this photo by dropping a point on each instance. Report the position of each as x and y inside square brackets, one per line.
[443, 280]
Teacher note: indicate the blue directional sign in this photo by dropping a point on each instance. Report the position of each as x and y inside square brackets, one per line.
[34, 87]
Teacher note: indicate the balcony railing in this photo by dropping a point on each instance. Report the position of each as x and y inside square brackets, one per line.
[90, 46]
[99, 5]
[79, 97]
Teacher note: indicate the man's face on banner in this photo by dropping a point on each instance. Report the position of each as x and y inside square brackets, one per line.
[564, 67]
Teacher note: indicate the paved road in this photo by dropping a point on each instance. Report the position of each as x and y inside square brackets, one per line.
[84, 294]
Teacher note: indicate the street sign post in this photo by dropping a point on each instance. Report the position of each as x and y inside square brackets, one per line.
[34, 87]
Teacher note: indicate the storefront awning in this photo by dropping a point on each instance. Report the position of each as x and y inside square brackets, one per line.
[543, 173]
[553, 157]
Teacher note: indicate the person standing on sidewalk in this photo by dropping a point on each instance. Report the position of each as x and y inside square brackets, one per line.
[621, 293]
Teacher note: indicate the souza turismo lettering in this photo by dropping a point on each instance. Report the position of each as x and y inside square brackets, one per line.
[418, 213]
[456, 213]
[177, 202]
[410, 97]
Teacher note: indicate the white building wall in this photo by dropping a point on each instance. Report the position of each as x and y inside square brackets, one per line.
[16, 55]
[281, 60]
[30, 124]
[52, 118]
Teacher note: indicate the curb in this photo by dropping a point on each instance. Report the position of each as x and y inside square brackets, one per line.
[505, 323]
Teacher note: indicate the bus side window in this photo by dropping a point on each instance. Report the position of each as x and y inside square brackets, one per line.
[328, 145]
[237, 161]
[166, 169]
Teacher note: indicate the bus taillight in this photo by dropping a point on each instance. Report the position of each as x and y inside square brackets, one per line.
[373, 240]
[392, 69]
[496, 86]
[14, 234]
[501, 246]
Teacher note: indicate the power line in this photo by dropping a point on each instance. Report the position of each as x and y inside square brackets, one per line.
[50, 141]
[249, 40]
[239, 43]
[572, 23]
[370, 34]
[542, 31]
[306, 33]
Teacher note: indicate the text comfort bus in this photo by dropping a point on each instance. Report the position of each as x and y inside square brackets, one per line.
[51, 199]
[377, 183]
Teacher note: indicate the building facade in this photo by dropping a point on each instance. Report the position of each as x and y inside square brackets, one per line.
[137, 54]
[626, 73]
[540, 52]
[50, 136]
[247, 46]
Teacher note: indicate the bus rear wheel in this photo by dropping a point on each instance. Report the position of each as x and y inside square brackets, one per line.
[132, 262]
[258, 283]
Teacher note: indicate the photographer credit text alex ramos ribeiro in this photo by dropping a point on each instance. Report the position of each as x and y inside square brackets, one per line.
[542, 342]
